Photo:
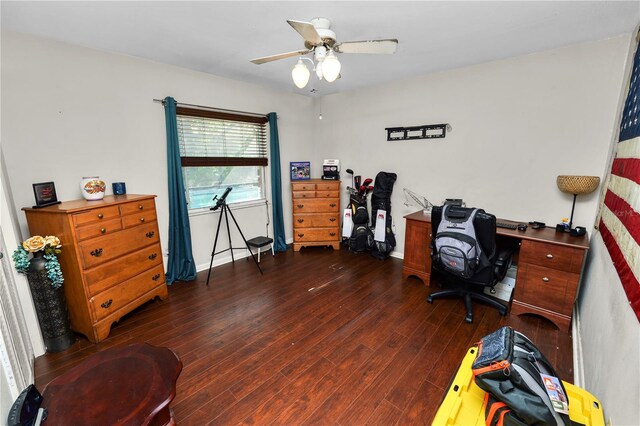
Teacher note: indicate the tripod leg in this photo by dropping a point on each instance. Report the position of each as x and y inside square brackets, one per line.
[245, 241]
[226, 208]
[215, 243]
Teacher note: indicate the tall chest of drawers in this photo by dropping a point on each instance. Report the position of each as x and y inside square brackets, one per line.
[316, 213]
[111, 257]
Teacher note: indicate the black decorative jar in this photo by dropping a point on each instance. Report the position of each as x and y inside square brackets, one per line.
[50, 305]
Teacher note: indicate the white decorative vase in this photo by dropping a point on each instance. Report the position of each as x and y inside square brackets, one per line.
[92, 188]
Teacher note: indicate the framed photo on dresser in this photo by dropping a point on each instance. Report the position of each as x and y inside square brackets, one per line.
[300, 170]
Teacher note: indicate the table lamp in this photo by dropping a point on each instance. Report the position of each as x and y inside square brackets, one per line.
[577, 185]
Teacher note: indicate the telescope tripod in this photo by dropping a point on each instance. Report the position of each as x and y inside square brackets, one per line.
[226, 211]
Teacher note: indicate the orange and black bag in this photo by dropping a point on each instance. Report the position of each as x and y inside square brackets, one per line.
[508, 367]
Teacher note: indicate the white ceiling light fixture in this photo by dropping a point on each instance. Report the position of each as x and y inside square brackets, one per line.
[321, 41]
[331, 67]
[300, 74]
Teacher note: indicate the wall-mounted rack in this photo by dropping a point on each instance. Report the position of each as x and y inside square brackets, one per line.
[428, 131]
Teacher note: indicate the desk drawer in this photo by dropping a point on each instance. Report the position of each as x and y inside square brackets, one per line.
[328, 186]
[302, 235]
[546, 288]
[551, 256]
[316, 220]
[316, 205]
[328, 194]
[139, 218]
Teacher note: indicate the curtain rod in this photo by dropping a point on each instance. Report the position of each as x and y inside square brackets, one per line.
[255, 114]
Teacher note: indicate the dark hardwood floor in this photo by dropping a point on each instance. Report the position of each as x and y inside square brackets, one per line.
[323, 337]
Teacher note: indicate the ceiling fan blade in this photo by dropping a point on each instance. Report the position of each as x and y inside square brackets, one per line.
[368, 46]
[307, 31]
[271, 58]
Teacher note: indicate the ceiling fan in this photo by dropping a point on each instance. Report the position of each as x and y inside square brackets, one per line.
[320, 40]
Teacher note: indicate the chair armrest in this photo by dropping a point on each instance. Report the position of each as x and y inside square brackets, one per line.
[503, 261]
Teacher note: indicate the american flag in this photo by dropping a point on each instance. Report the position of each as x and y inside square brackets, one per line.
[620, 221]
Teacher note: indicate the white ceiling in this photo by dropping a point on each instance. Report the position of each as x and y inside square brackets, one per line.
[221, 37]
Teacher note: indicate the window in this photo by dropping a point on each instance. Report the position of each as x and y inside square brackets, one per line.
[219, 150]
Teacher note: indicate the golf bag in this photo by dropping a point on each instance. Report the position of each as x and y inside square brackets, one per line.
[381, 200]
[361, 236]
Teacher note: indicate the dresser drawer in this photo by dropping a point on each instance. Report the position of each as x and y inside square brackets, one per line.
[138, 218]
[551, 256]
[328, 186]
[102, 249]
[137, 206]
[546, 288]
[304, 194]
[301, 235]
[117, 297]
[303, 186]
[316, 205]
[316, 220]
[105, 276]
[327, 194]
[100, 214]
[96, 229]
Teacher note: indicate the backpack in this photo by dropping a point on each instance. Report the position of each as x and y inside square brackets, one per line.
[455, 244]
[361, 238]
[509, 368]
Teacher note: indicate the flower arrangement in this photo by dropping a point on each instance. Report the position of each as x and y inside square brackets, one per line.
[51, 247]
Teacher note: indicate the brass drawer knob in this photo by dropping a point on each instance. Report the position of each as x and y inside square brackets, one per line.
[103, 230]
[100, 215]
[332, 219]
[545, 279]
[97, 252]
[140, 206]
[107, 303]
[142, 219]
[152, 256]
[300, 220]
[549, 256]
[150, 234]
[156, 277]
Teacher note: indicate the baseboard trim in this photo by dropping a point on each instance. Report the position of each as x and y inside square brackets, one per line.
[578, 366]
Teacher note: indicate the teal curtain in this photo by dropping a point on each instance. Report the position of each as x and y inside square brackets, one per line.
[279, 242]
[181, 266]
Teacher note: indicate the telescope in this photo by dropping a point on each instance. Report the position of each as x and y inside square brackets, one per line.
[221, 200]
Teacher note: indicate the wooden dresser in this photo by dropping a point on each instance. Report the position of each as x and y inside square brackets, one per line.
[549, 266]
[316, 213]
[111, 257]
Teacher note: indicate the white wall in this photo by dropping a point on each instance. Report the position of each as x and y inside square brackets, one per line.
[516, 125]
[70, 112]
[609, 339]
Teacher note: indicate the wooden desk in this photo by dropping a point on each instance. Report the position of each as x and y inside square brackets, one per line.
[130, 385]
[549, 266]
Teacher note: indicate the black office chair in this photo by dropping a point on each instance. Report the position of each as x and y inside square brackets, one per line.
[493, 270]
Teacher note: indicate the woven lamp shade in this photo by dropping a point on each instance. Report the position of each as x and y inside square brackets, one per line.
[577, 184]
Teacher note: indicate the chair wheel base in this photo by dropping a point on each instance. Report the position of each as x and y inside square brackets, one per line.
[430, 299]
[468, 319]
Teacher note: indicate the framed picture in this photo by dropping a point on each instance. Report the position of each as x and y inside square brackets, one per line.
[45, 193]
[300, 170]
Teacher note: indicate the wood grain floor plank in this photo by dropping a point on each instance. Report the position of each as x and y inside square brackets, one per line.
[323, 336]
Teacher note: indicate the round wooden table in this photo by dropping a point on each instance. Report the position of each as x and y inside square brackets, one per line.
[130, 385]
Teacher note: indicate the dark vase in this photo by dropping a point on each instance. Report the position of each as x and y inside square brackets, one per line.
[50, 305]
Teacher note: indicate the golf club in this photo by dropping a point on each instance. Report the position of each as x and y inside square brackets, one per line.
[349, 171]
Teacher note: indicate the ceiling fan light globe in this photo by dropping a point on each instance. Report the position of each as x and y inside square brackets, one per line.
[300, 74]
[319, 70]
[331, 67]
